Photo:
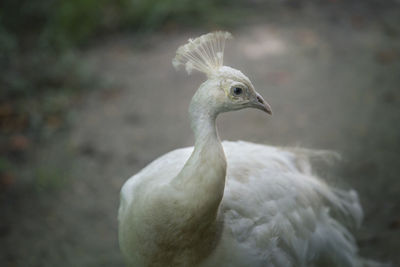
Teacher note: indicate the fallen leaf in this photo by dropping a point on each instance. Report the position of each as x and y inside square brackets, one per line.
[6, 179]
[395, 224]
[54, 121]
[19, 143]
[6, 109]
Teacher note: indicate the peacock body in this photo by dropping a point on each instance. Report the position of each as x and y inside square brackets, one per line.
[234, 204]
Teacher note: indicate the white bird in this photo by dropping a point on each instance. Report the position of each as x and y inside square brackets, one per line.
[233, 204]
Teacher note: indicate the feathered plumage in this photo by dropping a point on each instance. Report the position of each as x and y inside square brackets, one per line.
[205, 53]
[275, 212]
[234, 204]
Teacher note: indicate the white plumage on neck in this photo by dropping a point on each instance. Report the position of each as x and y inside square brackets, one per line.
[182, 203]
[202, 179]
[203, 113]
[208, 154]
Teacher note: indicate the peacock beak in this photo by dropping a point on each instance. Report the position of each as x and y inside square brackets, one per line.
[260, 103]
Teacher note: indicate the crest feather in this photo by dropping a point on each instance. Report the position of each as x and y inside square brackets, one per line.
[205, 53]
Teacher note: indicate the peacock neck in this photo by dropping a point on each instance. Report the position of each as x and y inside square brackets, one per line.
[203, 175]
[203, 115]
[204, 128]
[195, 193]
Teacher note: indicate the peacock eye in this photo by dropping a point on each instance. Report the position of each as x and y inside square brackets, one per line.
[237, 90]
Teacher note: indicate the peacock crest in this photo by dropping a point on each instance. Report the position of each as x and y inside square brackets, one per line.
[205, 53]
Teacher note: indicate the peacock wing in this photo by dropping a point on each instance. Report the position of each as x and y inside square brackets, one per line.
[277, 210]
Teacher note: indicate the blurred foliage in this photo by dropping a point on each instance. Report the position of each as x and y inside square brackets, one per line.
[75, 21]
[40, 40]
[49, 179]
[34, 35]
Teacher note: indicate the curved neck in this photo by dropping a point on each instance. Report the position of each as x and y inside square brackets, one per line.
[203, 126]
[196, 192]
[202, 178]
[203, 114]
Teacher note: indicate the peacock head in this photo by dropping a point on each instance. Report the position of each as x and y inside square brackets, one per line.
[227, 88]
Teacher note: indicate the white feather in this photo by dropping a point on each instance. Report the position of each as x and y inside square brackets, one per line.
[205, 53]
[234, 204]
[273, 211]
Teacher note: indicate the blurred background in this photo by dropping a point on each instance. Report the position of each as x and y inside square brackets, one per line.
[88, 97]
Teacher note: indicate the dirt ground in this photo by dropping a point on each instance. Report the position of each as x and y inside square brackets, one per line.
[333, 83]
